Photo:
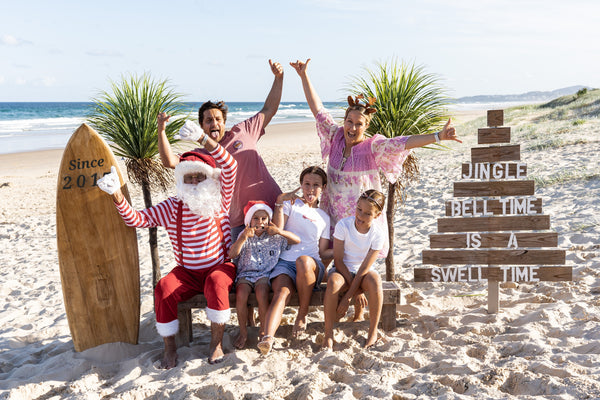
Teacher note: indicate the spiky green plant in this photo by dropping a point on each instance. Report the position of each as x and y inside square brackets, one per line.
[409, 102]
[127, 119]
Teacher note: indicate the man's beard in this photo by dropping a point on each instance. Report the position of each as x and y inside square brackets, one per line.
[203, 199]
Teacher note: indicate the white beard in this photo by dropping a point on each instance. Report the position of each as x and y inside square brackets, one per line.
[203, 199]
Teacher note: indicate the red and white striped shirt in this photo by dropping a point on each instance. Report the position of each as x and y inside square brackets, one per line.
[201, 245]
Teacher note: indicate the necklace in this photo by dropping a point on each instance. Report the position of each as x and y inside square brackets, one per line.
[345, 158]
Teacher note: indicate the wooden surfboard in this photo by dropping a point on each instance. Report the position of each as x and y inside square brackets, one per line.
[97, 252]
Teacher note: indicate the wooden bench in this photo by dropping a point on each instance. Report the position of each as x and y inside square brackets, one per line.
[391, 297]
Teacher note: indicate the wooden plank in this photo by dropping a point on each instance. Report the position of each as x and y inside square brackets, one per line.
[495, 117]
[481, 207]
[490, 224]
[493, 296]
[499, 274]
[503, 170]
[496, 239]
[493, 135]
[494, 188]
[391, 295]
[496, 153]
[496, 257]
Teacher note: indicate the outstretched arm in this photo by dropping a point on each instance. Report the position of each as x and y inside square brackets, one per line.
[312, 98]
[274, 97]
[448, 133]
[168, 158]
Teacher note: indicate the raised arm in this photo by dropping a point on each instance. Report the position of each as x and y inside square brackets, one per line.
[448, 133]
[312, 98]
[274, 97]
[168, 158]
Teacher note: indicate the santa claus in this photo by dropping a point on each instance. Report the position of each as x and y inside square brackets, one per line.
[197, 221]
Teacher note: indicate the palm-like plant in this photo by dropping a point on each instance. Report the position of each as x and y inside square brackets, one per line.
[409, 102]
[127, 119]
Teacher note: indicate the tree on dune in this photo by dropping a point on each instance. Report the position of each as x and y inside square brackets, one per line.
[409, 102]
[126, 118]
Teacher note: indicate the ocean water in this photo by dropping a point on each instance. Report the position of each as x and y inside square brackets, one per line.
[42, 126]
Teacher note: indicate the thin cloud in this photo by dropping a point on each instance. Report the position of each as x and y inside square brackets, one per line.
[10, 40]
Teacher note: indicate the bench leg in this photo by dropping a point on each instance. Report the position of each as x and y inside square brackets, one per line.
[184, 336]
[388, 317]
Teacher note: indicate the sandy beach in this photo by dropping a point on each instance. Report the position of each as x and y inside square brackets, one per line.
[544, 342]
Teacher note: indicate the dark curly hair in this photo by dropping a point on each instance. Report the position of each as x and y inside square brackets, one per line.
[209, 105]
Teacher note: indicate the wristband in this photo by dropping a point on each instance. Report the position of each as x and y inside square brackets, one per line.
[278, 204]
[204, 139]
[437, 137]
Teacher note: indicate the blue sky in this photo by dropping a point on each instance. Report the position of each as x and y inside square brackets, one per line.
[70, 50]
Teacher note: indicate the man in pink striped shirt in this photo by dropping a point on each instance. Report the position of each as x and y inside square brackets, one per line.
[197, 221]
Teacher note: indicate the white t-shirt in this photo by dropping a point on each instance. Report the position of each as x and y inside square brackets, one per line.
[310, 224]
[356, 244]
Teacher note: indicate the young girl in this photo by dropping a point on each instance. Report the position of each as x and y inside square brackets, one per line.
[356, 243]
[300, 267]
[258, 248]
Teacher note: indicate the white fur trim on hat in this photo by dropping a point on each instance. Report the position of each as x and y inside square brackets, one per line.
[189, 167]
[255, 208]
[218, 316]
[166, 329]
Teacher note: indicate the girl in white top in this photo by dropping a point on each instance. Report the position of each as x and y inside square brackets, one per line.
[356, 243]
[299, 268]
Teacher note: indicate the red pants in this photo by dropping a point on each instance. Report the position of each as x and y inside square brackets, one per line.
[182, 283]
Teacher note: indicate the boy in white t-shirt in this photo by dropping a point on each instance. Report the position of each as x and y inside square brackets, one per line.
[356, 243]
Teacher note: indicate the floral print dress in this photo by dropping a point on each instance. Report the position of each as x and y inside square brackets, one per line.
[348, 178]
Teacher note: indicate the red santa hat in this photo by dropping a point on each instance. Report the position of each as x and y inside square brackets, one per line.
[196, 161]
[254, 206]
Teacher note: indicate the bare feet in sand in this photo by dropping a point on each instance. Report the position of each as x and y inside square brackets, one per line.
[216, 354]
[299, 327]
[371, 341]
[240, 341]
[170, 357]
[327, 343]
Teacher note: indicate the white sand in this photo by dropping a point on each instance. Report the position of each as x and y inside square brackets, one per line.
[545, 341]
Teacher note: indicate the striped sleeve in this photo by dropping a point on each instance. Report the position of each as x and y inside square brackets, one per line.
[157, 215]
[228, 174]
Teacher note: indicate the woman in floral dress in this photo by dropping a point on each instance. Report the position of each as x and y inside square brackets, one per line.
[354, 160]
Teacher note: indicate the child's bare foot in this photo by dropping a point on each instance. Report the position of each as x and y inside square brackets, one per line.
[359, 315]
[169, 360]
[327, 343]
[299, 326]
[240, 341]
[371, 341]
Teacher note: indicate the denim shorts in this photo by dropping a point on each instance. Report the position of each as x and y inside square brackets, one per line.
[284, 267]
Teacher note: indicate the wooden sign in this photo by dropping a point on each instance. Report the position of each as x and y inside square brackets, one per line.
[500, 274]
[489, 207]
[478, 240]
[495, 170]
[494, 188]
[495, 117]
[494, 230]
[496, 153]
[493, 135]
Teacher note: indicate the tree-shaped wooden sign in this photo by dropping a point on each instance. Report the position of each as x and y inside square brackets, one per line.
[494, 228]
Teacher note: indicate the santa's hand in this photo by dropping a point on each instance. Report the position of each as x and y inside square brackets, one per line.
[190, 131]
[110, 183]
